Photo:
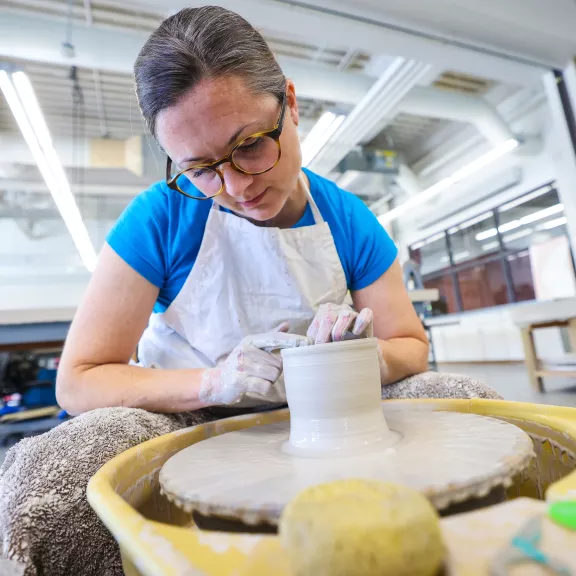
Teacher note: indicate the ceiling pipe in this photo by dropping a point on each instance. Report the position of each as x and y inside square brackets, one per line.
[436, 103]
[108, 153]
[37, 187]
[408, 181]
[374, 109]
[109, 50]
[431, 102]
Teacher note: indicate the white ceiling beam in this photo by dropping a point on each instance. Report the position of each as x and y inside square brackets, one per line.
[436, 103]
[35, 186]
[109, 50]
[371, 114]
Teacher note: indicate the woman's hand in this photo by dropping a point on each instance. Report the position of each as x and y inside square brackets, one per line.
[250, 368]
[333, 321]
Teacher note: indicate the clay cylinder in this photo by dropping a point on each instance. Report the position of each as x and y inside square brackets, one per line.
[333, 392]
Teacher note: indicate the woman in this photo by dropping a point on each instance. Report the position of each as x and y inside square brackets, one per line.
[239, 252]
[275, 246]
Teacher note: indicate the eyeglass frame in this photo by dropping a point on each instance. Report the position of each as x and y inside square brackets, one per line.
[274, 133]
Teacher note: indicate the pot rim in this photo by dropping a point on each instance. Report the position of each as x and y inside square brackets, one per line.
[332, 347]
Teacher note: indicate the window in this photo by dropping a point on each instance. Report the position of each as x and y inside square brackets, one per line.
[431, 254]
[537, 214]
[521, 276]
[483, 285]
[486, 260]
[445, 285]
[464, 241]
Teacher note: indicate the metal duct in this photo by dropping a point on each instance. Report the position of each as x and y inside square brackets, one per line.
[437, 103]
[371, 113]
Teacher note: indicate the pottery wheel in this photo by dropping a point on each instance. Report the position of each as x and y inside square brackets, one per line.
[245, 475]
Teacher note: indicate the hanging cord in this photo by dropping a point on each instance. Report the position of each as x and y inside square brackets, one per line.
[67, 46]
[78, 135]
[69, 22]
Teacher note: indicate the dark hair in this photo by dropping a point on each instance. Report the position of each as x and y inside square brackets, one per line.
[199, 43]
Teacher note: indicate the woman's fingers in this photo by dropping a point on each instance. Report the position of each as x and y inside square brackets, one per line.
[250, 354]
[312, 331]
[284, 327]
[326, 320]
[342, 325]
[364, 324]
[277, 341]
[258, 386]
[332, 322]
[261, 370]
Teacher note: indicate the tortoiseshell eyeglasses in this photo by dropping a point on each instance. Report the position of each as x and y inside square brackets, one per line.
[255, 154]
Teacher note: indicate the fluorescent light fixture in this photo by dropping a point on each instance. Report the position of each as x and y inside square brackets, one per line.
[448, 182]
[490, 233]
[523, 254]
[512, 225]
[525, 198]
[490, 246]
[461, 255]
[528, 219]
[22, 101]
[429, 240]
[457, 257]
[553, 223]
[470, 222]
[556, 209]
[347, 178]
[321, 132]
[517, 235]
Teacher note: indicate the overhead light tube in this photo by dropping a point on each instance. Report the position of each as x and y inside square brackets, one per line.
[321, 132]
[444, 184]
[26, 110]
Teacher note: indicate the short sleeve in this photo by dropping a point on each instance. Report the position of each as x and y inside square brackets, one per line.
[139, 235]
[372, 249]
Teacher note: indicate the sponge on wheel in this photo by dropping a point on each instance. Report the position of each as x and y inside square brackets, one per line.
[362, 528]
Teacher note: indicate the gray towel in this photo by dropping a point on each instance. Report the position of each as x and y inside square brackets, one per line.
[437, 385]
[46, 523]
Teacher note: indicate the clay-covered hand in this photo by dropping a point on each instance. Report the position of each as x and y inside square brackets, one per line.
[333, 321]
[250, 368]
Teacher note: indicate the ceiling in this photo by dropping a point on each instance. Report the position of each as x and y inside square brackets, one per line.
[109, 104]
[109, 107]
[339, 54]
[537, 30]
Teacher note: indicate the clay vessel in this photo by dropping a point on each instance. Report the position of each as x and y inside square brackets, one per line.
[333, 393]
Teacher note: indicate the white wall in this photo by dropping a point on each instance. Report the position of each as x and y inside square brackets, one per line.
[43, 273]
[489, 336]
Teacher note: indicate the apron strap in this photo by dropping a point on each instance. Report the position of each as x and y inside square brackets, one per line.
[315, 211]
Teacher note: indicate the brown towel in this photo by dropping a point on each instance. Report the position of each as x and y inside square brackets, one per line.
[46, 523]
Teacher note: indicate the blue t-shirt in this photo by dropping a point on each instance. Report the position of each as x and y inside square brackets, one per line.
[160, 232]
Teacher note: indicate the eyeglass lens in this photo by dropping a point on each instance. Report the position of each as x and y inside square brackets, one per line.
[253, 156]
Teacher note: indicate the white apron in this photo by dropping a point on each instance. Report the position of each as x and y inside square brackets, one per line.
[246, 280]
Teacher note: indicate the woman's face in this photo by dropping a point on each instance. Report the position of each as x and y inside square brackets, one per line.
[217, 114]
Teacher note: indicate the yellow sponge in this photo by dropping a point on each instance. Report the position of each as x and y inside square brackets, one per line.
[362, 528]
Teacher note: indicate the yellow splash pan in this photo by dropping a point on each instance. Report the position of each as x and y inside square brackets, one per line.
[156, 538]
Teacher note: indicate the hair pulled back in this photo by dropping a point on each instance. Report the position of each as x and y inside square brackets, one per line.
[196, 44]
